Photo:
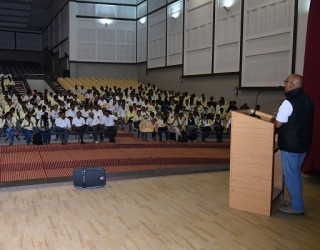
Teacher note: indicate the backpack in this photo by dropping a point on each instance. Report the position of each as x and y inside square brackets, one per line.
[37, 139]
[183, 137]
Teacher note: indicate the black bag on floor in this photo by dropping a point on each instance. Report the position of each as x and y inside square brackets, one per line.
[183, 137]
[37, 139]
[89, 177]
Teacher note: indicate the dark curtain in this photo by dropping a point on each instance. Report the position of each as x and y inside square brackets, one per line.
[312, 84]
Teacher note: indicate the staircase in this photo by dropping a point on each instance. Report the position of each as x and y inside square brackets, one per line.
[58, 88]
[20, 88]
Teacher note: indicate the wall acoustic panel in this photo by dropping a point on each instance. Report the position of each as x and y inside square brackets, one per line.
[94, 40]
[174, 33]
[28, 41]
[64, 23]
[267, 45]
[130, 2]
[198, 35]
[106, 10]
[155, 4]
[142, 9]
[56, 30]
[157, 39]
[63, 49]
[7, 40]
[227, 36]
[50, 36]
[142, 40]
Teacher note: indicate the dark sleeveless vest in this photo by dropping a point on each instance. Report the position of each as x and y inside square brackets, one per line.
[295, 135]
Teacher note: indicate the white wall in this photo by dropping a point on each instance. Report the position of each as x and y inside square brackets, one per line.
[303, 12]
[103, 70]
[39, 85]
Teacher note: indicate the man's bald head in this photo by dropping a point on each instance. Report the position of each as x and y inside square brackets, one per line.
[292, 82]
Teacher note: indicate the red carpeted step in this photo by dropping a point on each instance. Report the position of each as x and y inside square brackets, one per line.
[121, 142]
[21, 161]
[8, 176]
[67, 172]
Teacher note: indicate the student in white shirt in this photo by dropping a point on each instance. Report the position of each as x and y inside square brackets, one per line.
[93, 124]
[54, 114]
[45, 126]
[85, 111]
[97, 112]
[80, 126]
[108, 124]
[205, 127]
[72, 112]
[175, 125]
[122, 115]
[9, 125]
[27, 127]
[41, 112]
[163, 127]
[63, 126]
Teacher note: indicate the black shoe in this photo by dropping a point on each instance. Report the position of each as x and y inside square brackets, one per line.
[82, 142]
[63, 143]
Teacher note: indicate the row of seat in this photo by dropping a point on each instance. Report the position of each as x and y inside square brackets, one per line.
[146, 126]
[88, 83]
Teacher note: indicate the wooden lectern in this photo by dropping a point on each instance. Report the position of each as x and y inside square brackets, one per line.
[255, 166]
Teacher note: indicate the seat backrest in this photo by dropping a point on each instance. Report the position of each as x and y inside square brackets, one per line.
[146, 127]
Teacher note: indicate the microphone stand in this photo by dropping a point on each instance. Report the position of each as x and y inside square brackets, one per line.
[255, 107]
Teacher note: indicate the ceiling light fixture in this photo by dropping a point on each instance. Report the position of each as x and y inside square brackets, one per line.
[226, 8]
[175, 15]
[142, 20]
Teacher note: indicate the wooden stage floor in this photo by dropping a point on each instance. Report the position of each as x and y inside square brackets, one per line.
[172, 212]
[129, 156]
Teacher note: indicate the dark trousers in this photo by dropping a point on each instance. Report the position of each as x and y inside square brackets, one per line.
[96, 129]
[80, 131]
[111, 132]
[28, 134]
[192, 133]
[205, 132]
[166, 133]
[64, 132]
[219, 131]
[46, 136]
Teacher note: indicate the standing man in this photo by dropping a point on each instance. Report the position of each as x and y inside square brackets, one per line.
[294, 126]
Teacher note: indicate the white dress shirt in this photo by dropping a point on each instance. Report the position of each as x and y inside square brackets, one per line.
[55, 114]
[285, 110]
[78, 122]
[71, 113]
[63, 123]
[108, 121]
[93, 121]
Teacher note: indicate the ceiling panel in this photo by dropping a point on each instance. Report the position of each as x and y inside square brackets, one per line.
[25, 15]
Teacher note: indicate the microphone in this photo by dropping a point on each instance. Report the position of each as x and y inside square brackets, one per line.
[255, 107]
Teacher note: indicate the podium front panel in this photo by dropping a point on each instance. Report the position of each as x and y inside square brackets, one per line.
[251, 164]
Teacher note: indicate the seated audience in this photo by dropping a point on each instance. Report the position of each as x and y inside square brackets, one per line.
[63, 126]
[80, 125]
[175, 126]
[192, 128]
[108, 125]
[45, 126]
[27, 127]
[163, 127]
[94, 126]
[218, 127]
[9, 126]
[205, 127]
